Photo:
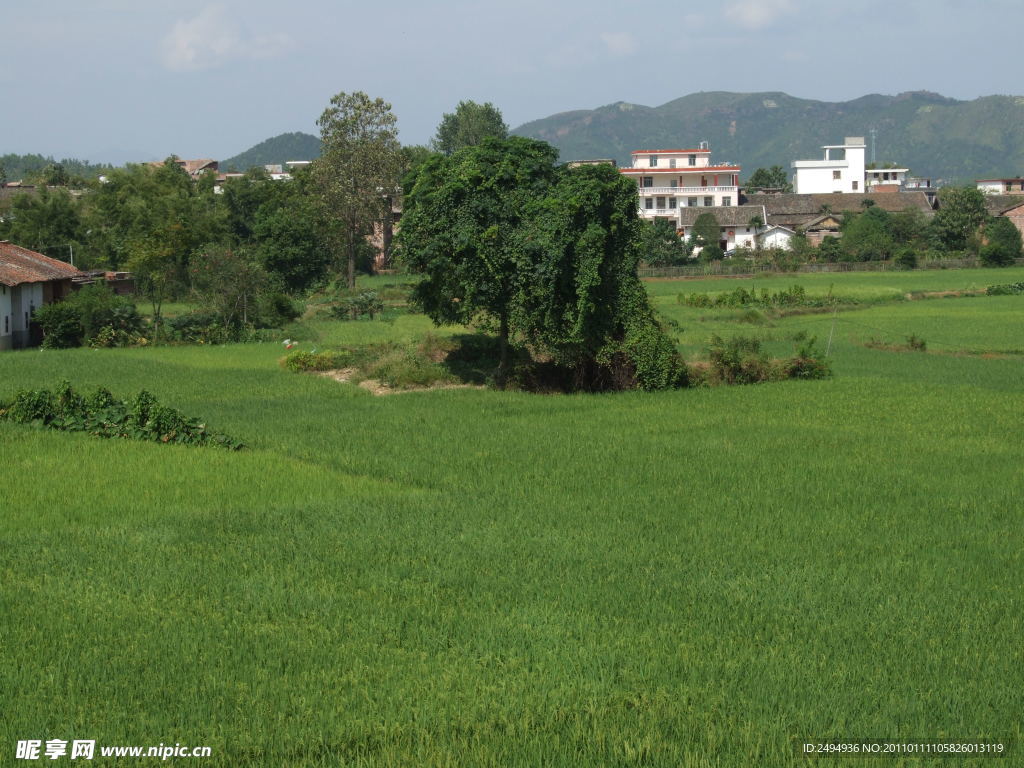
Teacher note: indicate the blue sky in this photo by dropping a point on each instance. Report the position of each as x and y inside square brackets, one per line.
[120, 80]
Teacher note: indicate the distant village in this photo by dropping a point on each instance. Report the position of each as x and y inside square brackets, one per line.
[674, 185]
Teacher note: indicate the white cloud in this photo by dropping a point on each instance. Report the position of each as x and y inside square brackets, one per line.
[619, 43]
[212, 39]
[755, 14]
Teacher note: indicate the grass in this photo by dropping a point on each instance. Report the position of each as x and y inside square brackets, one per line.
[467, 577]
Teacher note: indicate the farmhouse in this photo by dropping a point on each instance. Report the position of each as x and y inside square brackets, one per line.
[738, 224]
[28, 280]
[671, 179]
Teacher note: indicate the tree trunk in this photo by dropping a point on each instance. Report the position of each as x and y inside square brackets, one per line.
[503, 360]
[352, 258]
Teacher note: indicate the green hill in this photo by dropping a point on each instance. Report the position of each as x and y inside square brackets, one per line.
[933, 135]
[280, 149]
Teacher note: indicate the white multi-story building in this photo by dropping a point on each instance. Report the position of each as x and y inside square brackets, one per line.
[841, 170]
[670, 179]
[886, 179]
[1001, 186]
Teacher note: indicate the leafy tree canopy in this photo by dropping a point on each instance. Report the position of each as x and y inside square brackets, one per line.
[961, 212]
[547, 253]
[769, 178]
[468, 125]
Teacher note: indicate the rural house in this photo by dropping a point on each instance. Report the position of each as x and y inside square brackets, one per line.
[671, 179]
[28, 280]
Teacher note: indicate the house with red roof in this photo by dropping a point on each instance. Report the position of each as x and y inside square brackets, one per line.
[28, 281]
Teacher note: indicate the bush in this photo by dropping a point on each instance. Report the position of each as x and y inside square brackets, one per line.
[85, 314]
[1007, 289]
[906, 258]
[996, 255]
[739, 360]
[301, 361]
[353, 307]
[139, 418]
[61, 324]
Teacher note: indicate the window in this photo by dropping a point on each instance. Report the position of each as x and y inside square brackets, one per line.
[692, 160]
[855, 186]
[727, 200]
[837, 174]
[649, 203]
[709, 202]
[672, 163]
[648, 181]
[671, 202]
[654, 161]
[661, 202]
[691, 202]
[673, 183]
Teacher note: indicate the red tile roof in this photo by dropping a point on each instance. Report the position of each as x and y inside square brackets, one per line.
[20, 265]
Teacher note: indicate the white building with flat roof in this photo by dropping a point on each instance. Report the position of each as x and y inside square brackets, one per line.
[841, 170]
[670, 179]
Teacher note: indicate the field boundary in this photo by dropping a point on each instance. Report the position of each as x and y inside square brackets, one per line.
[721, 269]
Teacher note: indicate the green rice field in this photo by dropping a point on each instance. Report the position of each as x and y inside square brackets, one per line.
[465, 577]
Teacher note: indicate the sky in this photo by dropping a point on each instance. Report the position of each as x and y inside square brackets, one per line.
[134, 80]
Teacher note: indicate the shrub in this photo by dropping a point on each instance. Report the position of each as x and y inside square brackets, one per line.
[85, 314]
[300, 361]
[996, 255]
[353, 307]
[1006, 289]
[139, 418]
[906, 258]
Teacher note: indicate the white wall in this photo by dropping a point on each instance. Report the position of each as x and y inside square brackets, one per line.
[776, 238]
[664, 161]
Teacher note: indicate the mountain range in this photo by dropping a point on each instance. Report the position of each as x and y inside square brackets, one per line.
[937, 137]
[275, 151]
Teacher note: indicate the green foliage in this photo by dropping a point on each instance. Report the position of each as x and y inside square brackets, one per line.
[364, 303]
[769, 178]
[961, 213]
[139, 418]
[867, 235]
[358, 172]
[741, 360]
[1003, 242]
[547, 253]
[49, 222]
[469, 125]
[301, 361]
[36, 169]
[661, 245]
[793, 296]
[706, 231]
[233, 287]
[83, 315]
[1007, 289]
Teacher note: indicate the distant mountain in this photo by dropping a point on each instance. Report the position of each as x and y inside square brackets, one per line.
[934, 136]
[280, 149]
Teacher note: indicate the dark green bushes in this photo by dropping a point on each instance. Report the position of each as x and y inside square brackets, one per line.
[100, 414]
[1006, 289]
[794, 296]
[740, 360]
[94, 312]
[354, 307]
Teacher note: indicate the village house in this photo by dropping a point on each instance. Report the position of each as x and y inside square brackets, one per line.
[670, 180]
[841, 170]
[738, 225]
[28, 281]
[1013, 186]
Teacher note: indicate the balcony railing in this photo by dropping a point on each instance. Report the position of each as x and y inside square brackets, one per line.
[647, 191]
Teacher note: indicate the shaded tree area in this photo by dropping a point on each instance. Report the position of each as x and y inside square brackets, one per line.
[661, 245]
[769, 178]
[544, 255]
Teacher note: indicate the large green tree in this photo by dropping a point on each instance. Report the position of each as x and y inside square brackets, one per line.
[468, 125]
[961, 213]
[462, 228]
[661, 245]
[1002, 242]
[359, 169]
[867, 236]
[546, 253]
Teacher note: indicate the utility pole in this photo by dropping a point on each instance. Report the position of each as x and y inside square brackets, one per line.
[874, 139]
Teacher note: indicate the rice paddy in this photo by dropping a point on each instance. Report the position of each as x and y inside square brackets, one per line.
[704, 577]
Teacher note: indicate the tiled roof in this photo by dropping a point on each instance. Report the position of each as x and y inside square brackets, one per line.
[19, 265]
[999, 204]
[806, 205]
[725, 215]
